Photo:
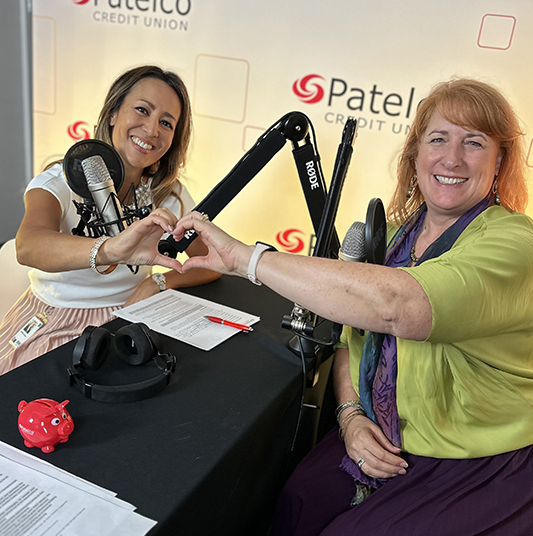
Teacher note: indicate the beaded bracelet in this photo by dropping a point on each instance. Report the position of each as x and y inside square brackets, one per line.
[349, 404]
[94, 253]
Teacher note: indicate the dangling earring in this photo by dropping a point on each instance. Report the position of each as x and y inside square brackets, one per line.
[412, 186]
[495, 190]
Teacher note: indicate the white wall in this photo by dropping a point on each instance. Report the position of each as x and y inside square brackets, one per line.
[240, 59]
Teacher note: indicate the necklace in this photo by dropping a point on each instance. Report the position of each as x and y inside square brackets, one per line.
[143, 192]
[412, 254]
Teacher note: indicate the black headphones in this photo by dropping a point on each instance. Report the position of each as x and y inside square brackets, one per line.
[135, 345]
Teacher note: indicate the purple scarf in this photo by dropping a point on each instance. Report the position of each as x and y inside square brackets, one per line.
[379, 365]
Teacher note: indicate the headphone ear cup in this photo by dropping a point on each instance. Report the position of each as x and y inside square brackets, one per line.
[92, 348]
[134, 344]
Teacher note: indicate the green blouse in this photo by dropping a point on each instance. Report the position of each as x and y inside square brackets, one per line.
[467, 391]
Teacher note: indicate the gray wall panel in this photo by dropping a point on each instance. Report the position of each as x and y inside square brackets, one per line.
[16, 151]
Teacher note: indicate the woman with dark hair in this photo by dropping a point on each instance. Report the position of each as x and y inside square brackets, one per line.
[434, 408]
[146, 117]
[165, 172]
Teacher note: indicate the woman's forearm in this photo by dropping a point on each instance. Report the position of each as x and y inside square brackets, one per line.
[52, 251]
[342, 381]
[371, 297]
[368, 296]
[39, 242]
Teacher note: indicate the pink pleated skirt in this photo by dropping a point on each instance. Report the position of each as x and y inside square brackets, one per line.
[62, 325]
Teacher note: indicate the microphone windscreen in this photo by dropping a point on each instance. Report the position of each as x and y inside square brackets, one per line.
[73, 170]
[95, 170]
[376, 232]
[353, 246]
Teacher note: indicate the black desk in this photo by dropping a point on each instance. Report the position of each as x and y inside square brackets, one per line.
[208, 454]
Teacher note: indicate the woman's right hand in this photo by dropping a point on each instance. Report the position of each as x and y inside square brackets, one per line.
[137, 244]
[364, 440]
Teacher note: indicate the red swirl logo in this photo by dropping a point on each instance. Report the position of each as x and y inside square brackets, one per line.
[78, 131]
[308, 90]
[289, 241]
[80, 2]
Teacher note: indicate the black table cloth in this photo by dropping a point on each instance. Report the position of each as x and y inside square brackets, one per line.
[208, 454]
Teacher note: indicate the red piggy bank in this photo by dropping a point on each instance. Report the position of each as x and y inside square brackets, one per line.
[44, 423]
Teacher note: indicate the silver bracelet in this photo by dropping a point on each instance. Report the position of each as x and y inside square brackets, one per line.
[160, 280]
[94, 253]
[349, 404]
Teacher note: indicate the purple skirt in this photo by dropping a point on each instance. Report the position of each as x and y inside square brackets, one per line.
[481, 496]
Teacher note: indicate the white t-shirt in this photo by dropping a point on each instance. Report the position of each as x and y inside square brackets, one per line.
[84, 289]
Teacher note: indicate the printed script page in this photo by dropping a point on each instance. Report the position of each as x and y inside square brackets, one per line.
[183, 317]
[37, 499]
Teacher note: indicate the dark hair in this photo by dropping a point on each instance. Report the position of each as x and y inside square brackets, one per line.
[165, 173]
[472, 105]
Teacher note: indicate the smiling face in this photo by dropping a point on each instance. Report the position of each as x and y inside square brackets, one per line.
[455, 167]
[144, 126]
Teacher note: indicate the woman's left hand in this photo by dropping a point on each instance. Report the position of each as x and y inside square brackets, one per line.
[225, 255]
[147, 288]
[364, 440]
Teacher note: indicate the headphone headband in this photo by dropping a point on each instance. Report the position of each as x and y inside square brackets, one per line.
[131, 392]
[134, 345]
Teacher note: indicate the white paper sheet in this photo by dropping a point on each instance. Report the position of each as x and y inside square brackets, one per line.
[36, 464]
[38, 499]
[182, 317]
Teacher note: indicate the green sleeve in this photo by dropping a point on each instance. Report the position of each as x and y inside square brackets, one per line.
[484, 284]
[343, 341]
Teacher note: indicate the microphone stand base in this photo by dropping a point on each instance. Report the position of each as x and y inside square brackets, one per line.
[300, 345]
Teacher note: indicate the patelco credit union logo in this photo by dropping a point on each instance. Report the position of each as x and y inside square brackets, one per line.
[308, 88]
[290, 241]
[78, 131]
[155, 14]
[375, 105]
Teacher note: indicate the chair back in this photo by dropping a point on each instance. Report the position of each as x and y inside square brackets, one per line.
[13, 277]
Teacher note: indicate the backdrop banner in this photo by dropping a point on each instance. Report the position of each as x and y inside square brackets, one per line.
[248, 63]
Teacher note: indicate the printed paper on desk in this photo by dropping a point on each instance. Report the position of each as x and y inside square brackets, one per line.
[182, 316]
[39, 499]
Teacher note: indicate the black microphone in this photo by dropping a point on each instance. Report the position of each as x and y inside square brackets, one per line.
[103, 192]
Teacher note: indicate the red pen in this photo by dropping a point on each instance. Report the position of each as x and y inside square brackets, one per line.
[217, 320]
